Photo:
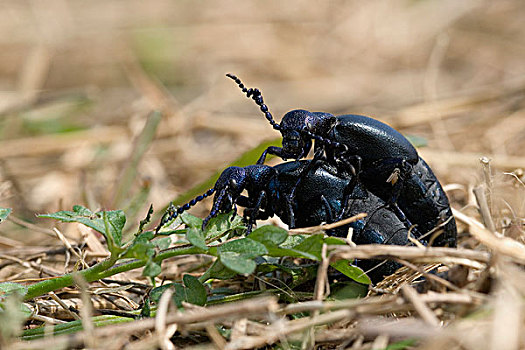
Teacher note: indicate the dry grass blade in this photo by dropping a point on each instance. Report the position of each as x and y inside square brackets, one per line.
[421, 307]
[89, 338]
[251, 308]
[468, 257]
[484, 207]
[164, 332]
[64, 306]
[502, 245]
[399, 329]
[319, 228]
[283, 329]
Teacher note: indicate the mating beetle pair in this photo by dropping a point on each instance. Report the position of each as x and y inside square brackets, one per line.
[370, 152]
[319, 199]
[358, 162]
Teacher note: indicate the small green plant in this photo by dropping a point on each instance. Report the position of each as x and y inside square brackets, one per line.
[235, 255]
[258, 253]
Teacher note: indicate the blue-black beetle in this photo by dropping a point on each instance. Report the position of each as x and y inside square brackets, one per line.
[371, 151]
[319, 199]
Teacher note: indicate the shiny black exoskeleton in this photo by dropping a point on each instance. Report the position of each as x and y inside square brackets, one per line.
[383, 159]
[228, 189]
[319, 199]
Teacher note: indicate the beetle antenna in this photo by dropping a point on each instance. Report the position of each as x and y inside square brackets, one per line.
[256, 95]
[172, 212]
[215, 210]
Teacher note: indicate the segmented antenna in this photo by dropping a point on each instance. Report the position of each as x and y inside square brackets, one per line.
[255, 94]
[215, 210]
[173, 212]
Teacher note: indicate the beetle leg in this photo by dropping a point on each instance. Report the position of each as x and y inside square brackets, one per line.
[254, 213]
[329, 215]
[348, 190]
[234, 212]
[277, 151]
[399, 213]
[354, 171]
[291, 214]
[317, 156]
[306, 149]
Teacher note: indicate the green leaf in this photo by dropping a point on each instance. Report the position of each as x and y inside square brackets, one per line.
[299, 246]
[191, 221]
[352, 271]
[140, 250]
[218, 271]
[286, 248]
[221, 224]
[238, 255]
[195, 291]
[238, 263]
[151, 269]
[162, 243]
[10, 288]
[157, 292]
[114, 237]
[192, 292]
[299, 273]
[293, 240]
[269, 235]
[80, 214]
[178, 293]
[289, 252]
[245, 246]
[144, 236]
[348, 290]
[4, 213]
[311, 245]
[334, 241]
[196, 237]
[145, 312]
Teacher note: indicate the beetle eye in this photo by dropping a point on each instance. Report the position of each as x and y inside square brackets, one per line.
[233, 183]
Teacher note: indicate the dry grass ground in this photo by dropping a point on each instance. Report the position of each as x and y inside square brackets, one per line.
[79, 79]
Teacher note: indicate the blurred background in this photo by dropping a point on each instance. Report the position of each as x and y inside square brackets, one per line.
[79, 81]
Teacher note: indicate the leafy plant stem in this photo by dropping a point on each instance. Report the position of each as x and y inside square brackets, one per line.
[74, 326]
[103, 269]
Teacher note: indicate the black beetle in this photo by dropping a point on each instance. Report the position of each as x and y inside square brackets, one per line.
[369, 150]
[319, 199]
[228, 188]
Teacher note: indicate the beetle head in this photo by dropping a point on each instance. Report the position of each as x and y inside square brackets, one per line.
[229, 187]
[296, 143]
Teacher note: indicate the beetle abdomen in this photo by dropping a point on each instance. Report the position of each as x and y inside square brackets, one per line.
[425, 203]
[371, 139]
